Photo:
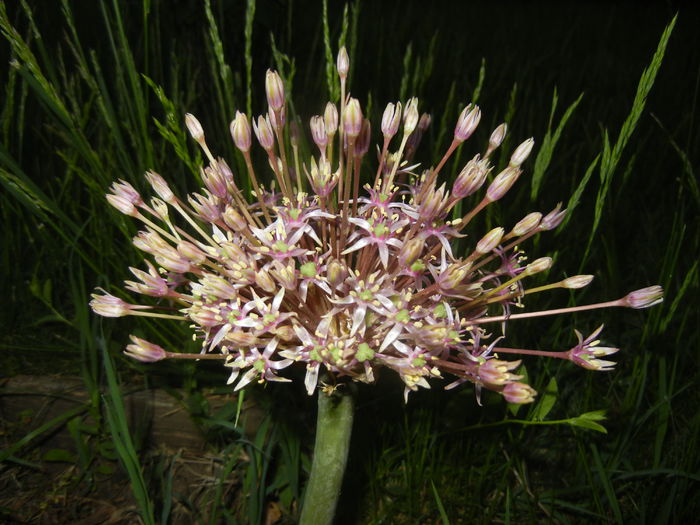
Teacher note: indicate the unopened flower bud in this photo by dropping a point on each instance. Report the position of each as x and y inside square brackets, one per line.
[519, 393]
[391, 120]
[527, 224]
[497, 137]
[194, 127]
[160, 208]
[330, 117]
[644, 298]
[470, 179]
[577, 281]
[264, 133]
[352, 118]
[502, 183]
[286, 276]
[274, 89]
[215, 180]
[234, 220]
[122, 204]
[108, 305]
[410, 116]
[467, 122]
[411, 250]
[552, 219]
[521, 152]
[538, 265]
[318, 132]
[336, 273]
[142, 350]
[264, 281]
[490, 241]
[343, 63]
[240, 131]
[191, 252]
[160, 186]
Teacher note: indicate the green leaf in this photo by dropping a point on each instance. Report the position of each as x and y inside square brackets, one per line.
[547, 401]
[58, 455]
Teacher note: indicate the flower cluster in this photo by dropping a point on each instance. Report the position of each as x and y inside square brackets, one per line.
[343, 270]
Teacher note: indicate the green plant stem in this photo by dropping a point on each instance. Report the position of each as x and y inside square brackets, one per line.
[333, 429]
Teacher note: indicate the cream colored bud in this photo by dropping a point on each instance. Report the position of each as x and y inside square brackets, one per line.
[490, 241]
[264, 281]
[577, 281]
[502, 183]
[391, 120]
[330, 117]
[521, 152]
[343, 63]
[240, 131]
[527, 224]
[538, 265]
[233, 219]
[410, 116]
[497, 136]
[194, 127]
[352, 118]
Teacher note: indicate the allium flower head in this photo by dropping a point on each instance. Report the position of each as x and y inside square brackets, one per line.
[343, 267]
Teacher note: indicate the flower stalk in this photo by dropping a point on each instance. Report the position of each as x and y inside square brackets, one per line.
[333, 431]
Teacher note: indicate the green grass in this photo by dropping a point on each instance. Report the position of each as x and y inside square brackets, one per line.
[99, 93]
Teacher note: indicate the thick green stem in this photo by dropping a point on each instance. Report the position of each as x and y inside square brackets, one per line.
[333, 429]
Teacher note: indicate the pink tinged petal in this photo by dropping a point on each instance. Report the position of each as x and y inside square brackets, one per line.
[233, 376]
[311, 379]
[247, 378]
[278, 300]
[391, 336]
[358, 245]
[383, 254]
[358, 318]
[223, 331]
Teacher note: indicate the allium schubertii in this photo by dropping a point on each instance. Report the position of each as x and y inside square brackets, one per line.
[345, 266]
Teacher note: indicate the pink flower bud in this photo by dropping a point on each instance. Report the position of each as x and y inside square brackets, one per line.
[318, 132]
[497, 136]
[519, 393]
[330, 117]
[502, 183]
[467, 122]
[107, 305]
[352, 118]
[142, 350]
[391, 120]
[122, 204]
[490, 241]
[240, 131]
[194, 127]
[263, 131]
[343, 63]
[644, 298]
[577, 281]
[470, 179]
[521, 152]
[274, 89]
[160, 186]
[552, 219]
